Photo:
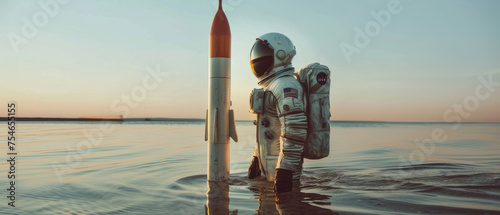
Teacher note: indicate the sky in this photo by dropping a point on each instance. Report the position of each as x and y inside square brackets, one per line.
[432, 60]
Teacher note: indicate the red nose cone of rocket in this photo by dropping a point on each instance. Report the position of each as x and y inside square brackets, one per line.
[220, 35]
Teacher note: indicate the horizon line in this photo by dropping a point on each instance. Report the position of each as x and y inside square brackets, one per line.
[197, 119]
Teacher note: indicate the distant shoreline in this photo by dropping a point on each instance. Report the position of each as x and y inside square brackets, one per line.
[55, 119]
[60, 119]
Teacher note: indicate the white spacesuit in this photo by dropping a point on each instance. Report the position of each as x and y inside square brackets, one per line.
[279, 105]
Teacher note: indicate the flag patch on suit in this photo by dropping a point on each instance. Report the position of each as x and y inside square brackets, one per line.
[291, 92]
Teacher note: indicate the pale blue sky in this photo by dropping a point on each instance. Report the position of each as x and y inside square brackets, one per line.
[91, 52]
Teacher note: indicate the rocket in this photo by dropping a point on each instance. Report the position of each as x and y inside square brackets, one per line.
[219, 123]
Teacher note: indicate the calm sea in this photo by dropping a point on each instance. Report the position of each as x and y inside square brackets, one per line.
[160, 168]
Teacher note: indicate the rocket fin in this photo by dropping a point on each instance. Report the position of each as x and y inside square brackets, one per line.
[232, 126]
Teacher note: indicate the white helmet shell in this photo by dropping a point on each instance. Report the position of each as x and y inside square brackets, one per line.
[271, 53]
[284, 50]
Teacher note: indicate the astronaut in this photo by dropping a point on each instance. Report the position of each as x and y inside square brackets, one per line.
[281, 120]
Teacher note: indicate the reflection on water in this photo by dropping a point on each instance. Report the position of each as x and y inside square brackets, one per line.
[217, 198]
[295, 202]
[160, 168]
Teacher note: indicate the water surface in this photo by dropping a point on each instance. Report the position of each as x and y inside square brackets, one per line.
[160, 168]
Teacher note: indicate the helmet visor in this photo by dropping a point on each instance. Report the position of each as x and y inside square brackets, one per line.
[261, 58]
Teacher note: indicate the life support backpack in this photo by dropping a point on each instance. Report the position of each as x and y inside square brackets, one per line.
[315, 79]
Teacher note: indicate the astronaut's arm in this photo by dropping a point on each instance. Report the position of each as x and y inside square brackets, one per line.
[294, 127]
[293, 136]
[291, 111]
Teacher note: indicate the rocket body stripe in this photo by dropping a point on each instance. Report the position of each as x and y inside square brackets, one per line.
[220, 67]
[220, 46]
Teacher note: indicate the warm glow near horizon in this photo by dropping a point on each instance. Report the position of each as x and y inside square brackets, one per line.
[430, 61]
